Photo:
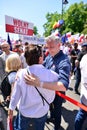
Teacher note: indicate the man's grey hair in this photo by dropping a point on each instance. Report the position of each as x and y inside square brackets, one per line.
[53, 38]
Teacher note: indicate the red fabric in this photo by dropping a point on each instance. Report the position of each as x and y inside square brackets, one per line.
[46, 53]
[10, 124]
[72, 101]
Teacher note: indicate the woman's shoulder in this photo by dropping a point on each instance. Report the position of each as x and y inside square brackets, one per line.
[21, 72]
[12, 76]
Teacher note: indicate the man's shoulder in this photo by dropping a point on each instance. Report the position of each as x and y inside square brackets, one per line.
[47, 59]
[63, 56]
[84, 57]
[2, 55]
[12, 52]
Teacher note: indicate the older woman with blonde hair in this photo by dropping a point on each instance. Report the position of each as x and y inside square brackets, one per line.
[13, 64]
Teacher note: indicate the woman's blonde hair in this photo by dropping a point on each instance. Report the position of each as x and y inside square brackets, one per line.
[13, 62]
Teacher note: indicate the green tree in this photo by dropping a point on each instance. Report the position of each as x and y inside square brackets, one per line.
[75, 19]
[51, 19]
[85, 28]
[35, 30]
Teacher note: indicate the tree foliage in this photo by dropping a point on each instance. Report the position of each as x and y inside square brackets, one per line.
[51, 19]
[75, 19]
[35, 30]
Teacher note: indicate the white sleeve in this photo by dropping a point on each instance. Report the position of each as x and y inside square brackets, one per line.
[16, 93]
[83, 67]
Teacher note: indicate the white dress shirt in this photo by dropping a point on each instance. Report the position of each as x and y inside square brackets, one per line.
[27, 98]
[83, 67]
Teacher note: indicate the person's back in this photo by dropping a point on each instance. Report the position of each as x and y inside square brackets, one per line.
[36, 104]
[30, 101]
[13, 64]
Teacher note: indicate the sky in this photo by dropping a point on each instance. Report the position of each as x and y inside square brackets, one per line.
[33, 11]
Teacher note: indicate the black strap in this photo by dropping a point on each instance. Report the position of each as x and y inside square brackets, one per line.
[42, 96]
[11, 72]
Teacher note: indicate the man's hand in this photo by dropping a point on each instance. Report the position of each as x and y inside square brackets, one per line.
[32, 79]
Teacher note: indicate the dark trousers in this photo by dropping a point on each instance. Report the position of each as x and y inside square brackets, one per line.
[26, 123]
[73, 67]
[79, 119]
[56, 111]
[78, 79]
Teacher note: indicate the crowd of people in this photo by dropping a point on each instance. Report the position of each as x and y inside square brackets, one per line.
[40, 70]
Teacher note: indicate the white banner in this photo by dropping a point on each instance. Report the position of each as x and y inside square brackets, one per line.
[33, 39]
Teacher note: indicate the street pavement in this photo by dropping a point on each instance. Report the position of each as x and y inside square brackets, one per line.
[69, 112]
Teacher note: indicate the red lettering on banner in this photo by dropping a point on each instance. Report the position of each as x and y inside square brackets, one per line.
[19, 23]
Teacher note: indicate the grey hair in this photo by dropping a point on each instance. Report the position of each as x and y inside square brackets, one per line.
[53, 38]
[4, 43]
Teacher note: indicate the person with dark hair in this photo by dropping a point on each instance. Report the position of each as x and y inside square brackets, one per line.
[32, 102]
[26, 46]
[75, 51]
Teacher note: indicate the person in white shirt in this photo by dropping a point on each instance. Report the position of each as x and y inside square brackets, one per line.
[82, 114]
[33, 108]
[6, 52]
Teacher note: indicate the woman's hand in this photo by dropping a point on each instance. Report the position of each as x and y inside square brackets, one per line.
[32, 79]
